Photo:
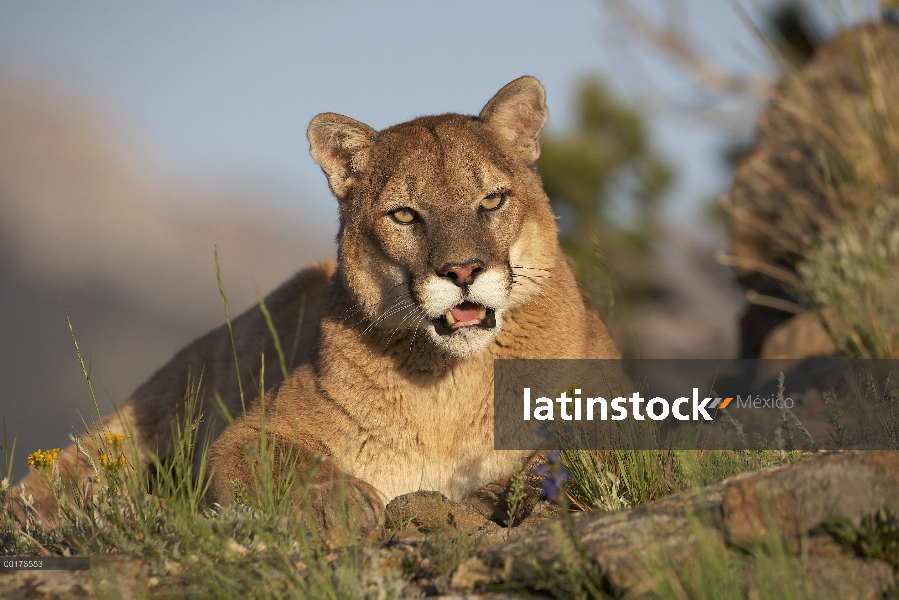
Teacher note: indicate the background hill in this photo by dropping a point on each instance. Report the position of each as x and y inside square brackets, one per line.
[87, 226]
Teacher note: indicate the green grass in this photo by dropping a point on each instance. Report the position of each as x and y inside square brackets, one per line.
[260, 548]
[617, 479]
[876, 537]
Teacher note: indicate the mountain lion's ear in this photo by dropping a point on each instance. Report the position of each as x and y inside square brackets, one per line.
[516, 114]
[340, 146]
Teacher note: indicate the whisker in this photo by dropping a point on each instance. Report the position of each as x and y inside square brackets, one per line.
[540, 304]
[394, 309]
[414, 337]
[402, 322]
[395, 305]
[543, 286]
[400, 302]
[567, 300]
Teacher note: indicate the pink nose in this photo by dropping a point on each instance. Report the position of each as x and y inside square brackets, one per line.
[462, 274]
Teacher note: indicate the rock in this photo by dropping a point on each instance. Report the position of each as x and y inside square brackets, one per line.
[541, 512]
[849, 579]
[800, 337]
[491, 596]
[471, 573]
[109, 577]
[430, 511]
[787, 167]
[627, 551]
[120, 577]
[490, 500]
[798, 183]
[796, 498]
[46, 584]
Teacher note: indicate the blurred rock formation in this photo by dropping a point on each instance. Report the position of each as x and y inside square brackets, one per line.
[805, 201]
[88, 227]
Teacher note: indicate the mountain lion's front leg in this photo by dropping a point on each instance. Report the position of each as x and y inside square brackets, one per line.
[243, 468]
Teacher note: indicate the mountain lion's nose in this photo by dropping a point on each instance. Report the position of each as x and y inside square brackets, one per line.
[462, 274]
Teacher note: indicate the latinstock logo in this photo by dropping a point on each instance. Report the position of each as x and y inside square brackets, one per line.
[694, 404]
[721, 402]
[579, 408]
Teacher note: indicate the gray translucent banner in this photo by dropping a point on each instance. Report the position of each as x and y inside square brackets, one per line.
[45, 563]
[811, 404]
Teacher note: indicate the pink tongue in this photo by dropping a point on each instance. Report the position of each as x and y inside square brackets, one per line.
[467, 311]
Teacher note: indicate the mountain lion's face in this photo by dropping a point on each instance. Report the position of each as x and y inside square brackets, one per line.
[444, 223]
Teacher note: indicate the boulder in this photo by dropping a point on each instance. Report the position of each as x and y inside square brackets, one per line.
[632, 551]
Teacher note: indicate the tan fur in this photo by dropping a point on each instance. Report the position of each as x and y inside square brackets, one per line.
[392, 405]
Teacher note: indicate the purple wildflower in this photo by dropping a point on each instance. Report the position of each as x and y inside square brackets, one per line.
[551, 488]
[552, 485]
[554, 475]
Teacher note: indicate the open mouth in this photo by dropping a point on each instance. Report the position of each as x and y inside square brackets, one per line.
[467, 314]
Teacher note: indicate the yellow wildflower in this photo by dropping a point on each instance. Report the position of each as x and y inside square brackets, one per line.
[43, 460]
[111, 463]
[114, 439]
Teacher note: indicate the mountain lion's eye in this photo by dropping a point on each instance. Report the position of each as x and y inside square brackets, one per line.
[404, 215]
[493, 200]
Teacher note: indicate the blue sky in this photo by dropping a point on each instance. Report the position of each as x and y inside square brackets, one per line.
[222, 91]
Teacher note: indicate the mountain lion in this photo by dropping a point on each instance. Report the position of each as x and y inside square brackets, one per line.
[448, 258]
